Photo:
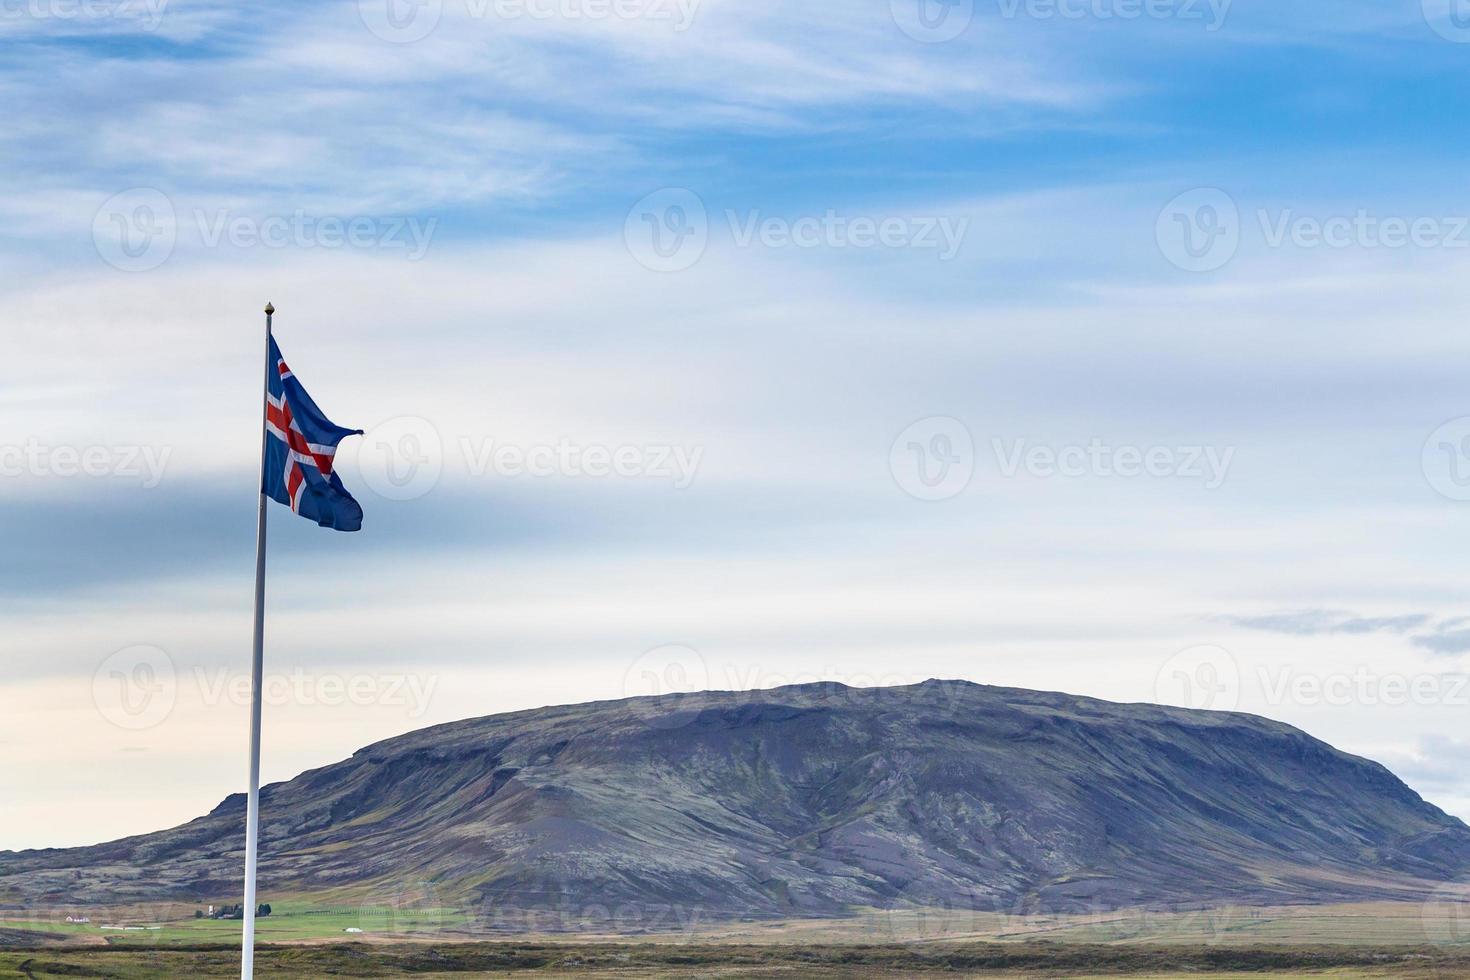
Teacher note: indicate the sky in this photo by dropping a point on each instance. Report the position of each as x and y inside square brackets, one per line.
[1106, 346]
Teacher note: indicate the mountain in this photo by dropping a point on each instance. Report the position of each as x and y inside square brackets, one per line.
[809, 800]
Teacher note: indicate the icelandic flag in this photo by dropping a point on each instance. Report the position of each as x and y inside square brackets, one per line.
[300, 445]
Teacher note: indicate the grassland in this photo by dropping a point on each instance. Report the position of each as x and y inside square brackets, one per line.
[308, 938]
[665, 961]
[313, 920]
[289, 922]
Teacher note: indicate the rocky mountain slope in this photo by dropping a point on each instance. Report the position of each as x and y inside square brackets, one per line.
[810, 800]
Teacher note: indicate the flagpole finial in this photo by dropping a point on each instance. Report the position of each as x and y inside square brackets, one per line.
[270, 308]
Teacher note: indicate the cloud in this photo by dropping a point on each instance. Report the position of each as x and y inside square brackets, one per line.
[1445, 641]
[486, 111]
[1436, 763]
[1444, 636]
[1328, 622]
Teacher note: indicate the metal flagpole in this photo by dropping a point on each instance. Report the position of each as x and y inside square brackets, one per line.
[252, 806]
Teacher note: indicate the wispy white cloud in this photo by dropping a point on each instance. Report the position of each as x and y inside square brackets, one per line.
[1317, 622]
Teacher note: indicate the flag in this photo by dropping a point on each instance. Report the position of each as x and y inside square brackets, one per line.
[300, 445]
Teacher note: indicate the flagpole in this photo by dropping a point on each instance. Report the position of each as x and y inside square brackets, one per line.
[252, 806]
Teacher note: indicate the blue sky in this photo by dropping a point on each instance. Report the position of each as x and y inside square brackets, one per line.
[927, 293]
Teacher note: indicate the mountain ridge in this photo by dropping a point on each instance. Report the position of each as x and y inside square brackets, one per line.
[811, 800]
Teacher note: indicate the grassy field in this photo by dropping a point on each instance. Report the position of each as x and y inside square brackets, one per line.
[665, 961]
[289, 922]
[298, 921]
[310, 939]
